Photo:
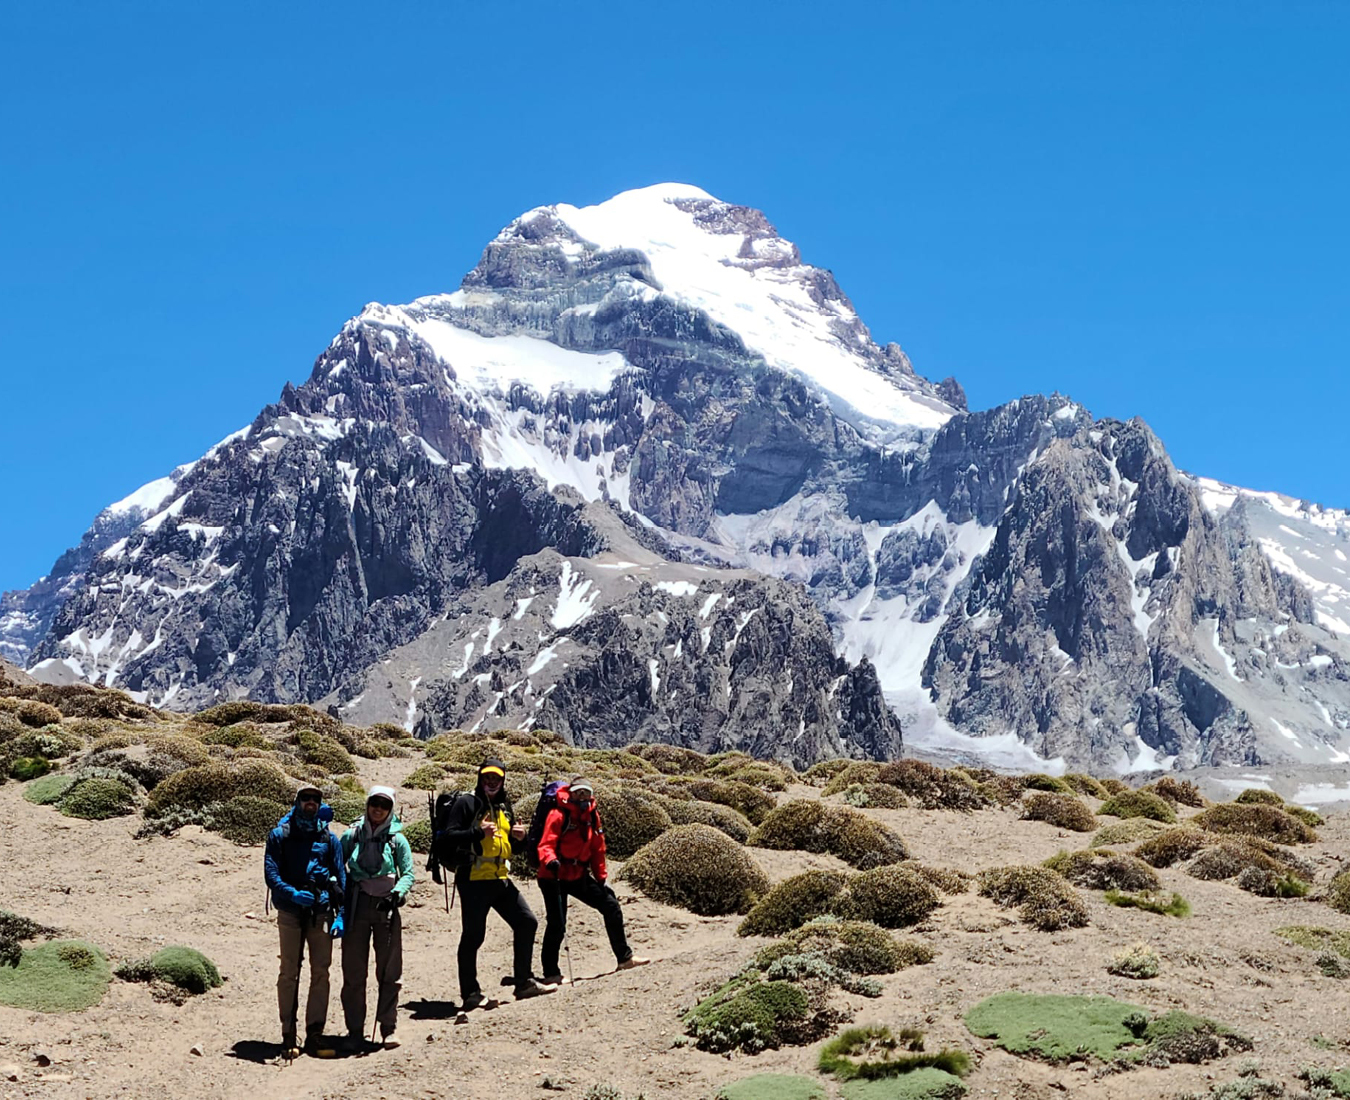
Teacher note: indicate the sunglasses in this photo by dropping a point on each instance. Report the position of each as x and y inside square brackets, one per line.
[310, 799]
[380, 804]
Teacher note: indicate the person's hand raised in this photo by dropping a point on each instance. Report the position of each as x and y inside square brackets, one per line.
[517, 832]
[489, 827]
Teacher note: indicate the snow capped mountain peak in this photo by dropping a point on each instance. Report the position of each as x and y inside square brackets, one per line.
[729, 262]
[689, 249]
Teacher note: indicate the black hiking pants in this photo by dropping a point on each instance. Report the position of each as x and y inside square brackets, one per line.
[476, 900]
[589, 892]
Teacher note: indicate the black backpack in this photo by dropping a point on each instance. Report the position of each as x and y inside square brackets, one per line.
[548, 800]
[443, 853]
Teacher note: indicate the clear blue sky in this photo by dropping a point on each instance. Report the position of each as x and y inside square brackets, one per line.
[1142, 204]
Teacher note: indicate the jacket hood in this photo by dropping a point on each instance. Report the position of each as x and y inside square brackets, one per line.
[295, 818]
[384, 792]
[491, 762]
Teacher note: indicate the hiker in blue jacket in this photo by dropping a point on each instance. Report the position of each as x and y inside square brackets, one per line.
[303, 866]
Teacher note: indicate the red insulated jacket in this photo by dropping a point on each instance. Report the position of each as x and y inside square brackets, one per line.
[576, 839]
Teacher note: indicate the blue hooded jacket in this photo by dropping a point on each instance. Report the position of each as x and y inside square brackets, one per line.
[302, 854]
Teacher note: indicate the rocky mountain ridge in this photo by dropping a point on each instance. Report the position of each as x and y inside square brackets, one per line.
[655, 399]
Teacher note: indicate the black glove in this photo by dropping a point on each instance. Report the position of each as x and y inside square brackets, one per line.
[553, 866]
[390, 902]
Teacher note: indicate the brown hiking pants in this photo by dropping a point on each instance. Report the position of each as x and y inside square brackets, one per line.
[385, 928]
[298, 931]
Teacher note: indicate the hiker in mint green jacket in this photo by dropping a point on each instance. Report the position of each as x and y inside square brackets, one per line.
[379, 876]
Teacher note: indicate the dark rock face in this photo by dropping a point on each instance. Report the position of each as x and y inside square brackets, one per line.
[750, 665]
[26, 615]
[1078, 630]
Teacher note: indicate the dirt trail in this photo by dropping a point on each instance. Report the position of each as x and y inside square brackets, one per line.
[131, 897]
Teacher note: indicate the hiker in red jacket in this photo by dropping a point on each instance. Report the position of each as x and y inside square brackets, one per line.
[572, 864]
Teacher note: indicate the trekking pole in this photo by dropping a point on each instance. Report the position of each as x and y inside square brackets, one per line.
[567, 947]
[446, 884]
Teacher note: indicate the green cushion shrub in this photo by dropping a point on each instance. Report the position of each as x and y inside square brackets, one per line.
[875, 796]
[60, 976]
[197, 787]
[854, 773]
[418, 834]
[932, 787]
[1129, 831]
[1086, 784]
[1138, 804]
[1179, 792]
[859, 947]
[242, 735]
[1103, 869]
[697, 868]
[1311, 818]
[742, 797]
[793, 902]
[185, 967]
[97, 799]
[51, 742]
[323, 752]
[748, 1015]
[631, 821]
[942, 878]
[671, 759]
[1180, 1037]
[348, 807]
[1064, 811]
[1266, 822]
[809, 825]
[1258, 796]
[29, 767]
[49, 789]
[690, 811]
[1044, 899]
[245, 819]
[893, 897]
[426, 777]
[1058, 1028]
[765, 776]
[1173, 846]
[773, 1086]
[33, 713]
[821, 772]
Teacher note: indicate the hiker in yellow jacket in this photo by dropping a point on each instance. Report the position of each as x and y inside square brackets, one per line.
[481, 827]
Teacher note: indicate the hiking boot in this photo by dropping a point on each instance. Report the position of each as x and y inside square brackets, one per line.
[391, 1041]
[472, 1001]
[318, 1047]
[290, 1049]
[554, 979]
[632, 961]
[353, 1044]
[531, 988]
